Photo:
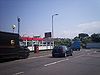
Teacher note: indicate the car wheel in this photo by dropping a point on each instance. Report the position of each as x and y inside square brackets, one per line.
[53, 55]
[67, 54]
[71, 54]
[79, 49]
[64, 54]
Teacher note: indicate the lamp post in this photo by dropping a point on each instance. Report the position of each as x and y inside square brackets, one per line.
[18, 19]
[52, 25]
[53, 29]
[13, 27]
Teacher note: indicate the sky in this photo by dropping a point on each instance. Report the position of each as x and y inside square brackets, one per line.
[75, 16]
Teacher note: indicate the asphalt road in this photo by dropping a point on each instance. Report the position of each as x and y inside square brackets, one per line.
[84, 62]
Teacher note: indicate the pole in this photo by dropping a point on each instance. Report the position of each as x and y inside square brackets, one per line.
[52, 26]
[52, 32]
[53, 29]
[13, 30]
[18, 25]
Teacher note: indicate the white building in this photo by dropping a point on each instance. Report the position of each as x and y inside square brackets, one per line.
[44, 44]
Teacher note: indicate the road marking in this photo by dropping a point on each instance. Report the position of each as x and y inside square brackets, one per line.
[95, 51]
[19, 73]
[39, 57]
[56, 62]
[61, 61]
[78, 56]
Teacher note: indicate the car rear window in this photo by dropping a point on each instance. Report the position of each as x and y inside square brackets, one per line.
[58, 47]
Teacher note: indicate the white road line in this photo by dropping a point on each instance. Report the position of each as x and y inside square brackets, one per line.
[56, 62]
[78, 56]
[95, 51]
[19, 73]
[39, 57]
[61, 61]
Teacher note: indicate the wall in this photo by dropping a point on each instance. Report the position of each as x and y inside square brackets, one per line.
[93, 45]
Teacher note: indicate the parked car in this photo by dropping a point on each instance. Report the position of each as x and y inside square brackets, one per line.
[61, 51]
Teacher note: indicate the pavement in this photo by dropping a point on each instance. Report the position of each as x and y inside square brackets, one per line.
[84, 62]
[40, 53]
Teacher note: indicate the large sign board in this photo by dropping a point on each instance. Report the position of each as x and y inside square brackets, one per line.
[48, 35]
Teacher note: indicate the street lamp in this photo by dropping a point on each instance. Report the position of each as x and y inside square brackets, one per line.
[13, 27]
[52, 24]
[53, 29]
[18, 19]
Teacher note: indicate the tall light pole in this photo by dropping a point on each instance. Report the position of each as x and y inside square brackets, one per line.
[52, 25]
[53, 29]
[18, 19]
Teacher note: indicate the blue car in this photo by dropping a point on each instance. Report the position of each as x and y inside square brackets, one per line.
[61, 51]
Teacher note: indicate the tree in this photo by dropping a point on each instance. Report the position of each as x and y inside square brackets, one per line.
[83, 35]
[60, 41]
[76, 38]
[84, 38]
[95, 37]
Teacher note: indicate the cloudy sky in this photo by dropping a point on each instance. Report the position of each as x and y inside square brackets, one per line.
[75, 16]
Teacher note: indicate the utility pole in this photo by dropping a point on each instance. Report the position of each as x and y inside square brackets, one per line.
[18, 19]
[53, 29]
[52, 25]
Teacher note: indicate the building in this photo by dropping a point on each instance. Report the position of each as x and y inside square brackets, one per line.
[43, 43]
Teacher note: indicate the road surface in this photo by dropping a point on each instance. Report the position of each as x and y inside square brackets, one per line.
[84, 62]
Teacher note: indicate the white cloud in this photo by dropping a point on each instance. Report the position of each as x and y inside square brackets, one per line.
[89, 28]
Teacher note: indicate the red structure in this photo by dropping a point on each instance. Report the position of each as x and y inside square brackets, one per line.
[30, 39]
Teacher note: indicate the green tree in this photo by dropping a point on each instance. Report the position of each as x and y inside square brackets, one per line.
[66, 42]
[82, 35]
[95, 37]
